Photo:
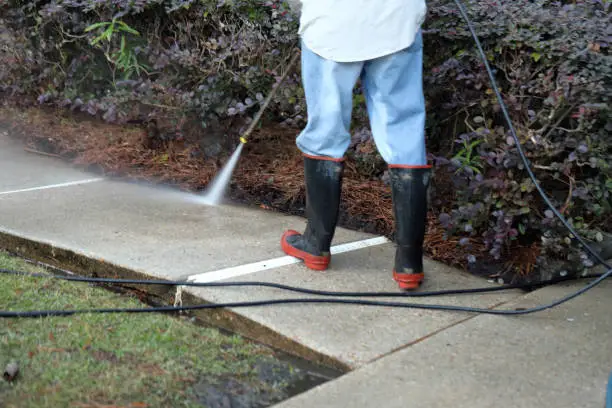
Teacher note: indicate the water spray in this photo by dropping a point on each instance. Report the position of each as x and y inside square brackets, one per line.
[215, 193]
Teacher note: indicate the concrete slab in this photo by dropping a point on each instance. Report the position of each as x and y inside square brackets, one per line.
[21, 170]
[157, 231]
[354, 335]
[558, 358]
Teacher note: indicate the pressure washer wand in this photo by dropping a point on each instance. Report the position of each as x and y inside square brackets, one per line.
[217, 188]
[244, 137]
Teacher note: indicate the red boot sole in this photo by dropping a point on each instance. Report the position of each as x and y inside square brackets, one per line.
[317, 263]
[408, 281]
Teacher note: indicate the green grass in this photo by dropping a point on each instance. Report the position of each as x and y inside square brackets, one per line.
[119, 360]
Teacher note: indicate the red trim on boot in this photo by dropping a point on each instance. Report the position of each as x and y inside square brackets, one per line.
[406, 166]
[408, 281]
[317, 263]
[324, 158]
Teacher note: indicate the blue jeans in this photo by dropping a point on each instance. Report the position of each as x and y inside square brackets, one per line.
[393, 88]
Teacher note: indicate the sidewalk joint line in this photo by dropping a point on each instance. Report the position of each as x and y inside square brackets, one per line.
[247, 269]
[50, 186]
[439, 331]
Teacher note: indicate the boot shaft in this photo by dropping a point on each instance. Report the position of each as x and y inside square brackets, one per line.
[409, 187]
[323, 178]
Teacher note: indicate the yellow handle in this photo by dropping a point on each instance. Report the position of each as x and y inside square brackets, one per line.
[243, 140]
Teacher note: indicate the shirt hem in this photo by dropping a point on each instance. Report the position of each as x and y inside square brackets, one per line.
[359, 58]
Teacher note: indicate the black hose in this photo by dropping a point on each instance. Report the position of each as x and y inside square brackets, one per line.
[402, 305]
[164, 309]
[446, 292]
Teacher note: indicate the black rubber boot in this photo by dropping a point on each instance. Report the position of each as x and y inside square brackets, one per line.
[323, 177]
[409, 191]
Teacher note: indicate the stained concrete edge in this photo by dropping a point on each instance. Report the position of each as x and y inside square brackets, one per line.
[61, 258]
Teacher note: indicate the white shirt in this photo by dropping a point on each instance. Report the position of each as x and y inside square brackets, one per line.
[359, 30]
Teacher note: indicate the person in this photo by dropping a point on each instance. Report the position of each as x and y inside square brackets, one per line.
[380, 43]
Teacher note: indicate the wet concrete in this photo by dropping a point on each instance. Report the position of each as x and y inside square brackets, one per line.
[31, 170]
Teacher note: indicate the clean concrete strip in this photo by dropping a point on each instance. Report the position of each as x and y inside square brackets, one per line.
[255, 267]
[47, 187]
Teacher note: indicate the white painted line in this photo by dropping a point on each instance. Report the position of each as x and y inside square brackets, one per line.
[241, 270]
[71, 183]
[353, 246]
[248, 269]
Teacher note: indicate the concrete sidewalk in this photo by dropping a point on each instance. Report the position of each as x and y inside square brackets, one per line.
[101, 227]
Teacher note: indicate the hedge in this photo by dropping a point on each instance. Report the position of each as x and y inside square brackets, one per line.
[174, 63]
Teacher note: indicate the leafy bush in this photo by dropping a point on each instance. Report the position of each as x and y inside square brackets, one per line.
[555, 71]
[145, 60]
[209, 62]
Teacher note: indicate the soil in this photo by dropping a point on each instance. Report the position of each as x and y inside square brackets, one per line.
[269, 174]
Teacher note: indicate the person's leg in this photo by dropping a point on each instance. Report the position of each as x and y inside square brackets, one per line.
[328, 87]
[329, 97]
[393, 87]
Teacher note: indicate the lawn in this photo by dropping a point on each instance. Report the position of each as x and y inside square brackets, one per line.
[123, 360]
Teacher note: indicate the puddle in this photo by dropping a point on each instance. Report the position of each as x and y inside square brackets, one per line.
[277, 377]
[274, 382]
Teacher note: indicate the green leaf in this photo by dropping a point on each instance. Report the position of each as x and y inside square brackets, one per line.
[536, 56]
[96, 25]
[127, 28]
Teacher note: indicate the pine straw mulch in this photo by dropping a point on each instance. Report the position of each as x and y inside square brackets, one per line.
[269, 174]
